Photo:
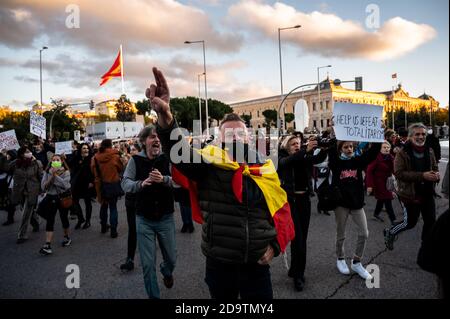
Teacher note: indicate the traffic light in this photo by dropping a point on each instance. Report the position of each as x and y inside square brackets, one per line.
[358, 83]
[91, 105]
[282, 124]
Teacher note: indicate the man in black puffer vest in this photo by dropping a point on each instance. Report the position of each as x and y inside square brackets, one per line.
[148, 176]
[238, 237]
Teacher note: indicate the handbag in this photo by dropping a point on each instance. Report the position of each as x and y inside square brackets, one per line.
[108, 190]
[41, 209]
[391, 184]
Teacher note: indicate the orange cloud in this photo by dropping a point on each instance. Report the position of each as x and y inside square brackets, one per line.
[329, 35]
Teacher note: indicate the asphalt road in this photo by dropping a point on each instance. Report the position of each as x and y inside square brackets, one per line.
[26, 274]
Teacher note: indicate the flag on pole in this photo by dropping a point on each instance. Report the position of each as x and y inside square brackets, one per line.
[115, 70]
[394, 76]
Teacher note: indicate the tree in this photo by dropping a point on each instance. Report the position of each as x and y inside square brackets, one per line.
[185, 111]
[422, 115]
[62, 122]
[143, 106]
[247, 118]
[217, 110]
[124, 110]
[270, 118]
[289, 117]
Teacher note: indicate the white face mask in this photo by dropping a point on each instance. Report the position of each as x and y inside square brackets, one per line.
[28, 155]
[430, 132]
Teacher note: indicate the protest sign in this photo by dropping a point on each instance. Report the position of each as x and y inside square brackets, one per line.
[358, 122]
[8, 140]
[37, 125]
[77, 135]
[63, 147]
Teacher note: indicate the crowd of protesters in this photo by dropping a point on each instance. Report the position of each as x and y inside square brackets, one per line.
[240, 201]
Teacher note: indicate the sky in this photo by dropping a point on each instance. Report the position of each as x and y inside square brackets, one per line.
[372, 39]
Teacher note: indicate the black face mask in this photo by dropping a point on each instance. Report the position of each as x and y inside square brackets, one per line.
[237, 150]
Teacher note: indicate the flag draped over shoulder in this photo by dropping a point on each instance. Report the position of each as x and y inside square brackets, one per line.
[264, 175]
[114, 71]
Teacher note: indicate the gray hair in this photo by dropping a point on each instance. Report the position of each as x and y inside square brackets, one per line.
[146, 132]
[414, 127]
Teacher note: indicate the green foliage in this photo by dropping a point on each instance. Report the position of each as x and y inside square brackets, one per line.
[143, 106]
[62, 122]
[124, 110]
[422, 115]
[247, 118]
[270, 117]
[289, 117]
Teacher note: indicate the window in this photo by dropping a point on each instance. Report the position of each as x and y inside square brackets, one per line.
[328, 122]
[315, 123]
[321, 123]
[258, 113]
[327, 105]
[321, 105]
[314, 107]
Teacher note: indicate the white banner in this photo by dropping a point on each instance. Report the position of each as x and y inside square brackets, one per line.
[8, 140]
[37, 125]
[63, 147]
[358, 122]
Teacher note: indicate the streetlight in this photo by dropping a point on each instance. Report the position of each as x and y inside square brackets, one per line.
[40, 68]
[281, 67]
[200, 102]
[318, 88]
[204, 73]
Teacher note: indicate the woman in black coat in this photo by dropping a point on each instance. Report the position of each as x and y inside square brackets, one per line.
[83, 184]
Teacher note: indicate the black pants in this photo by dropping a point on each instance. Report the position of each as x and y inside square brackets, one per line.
[53, 207]
[411, 215]
[131, 219]
[79, 211]
[388, 204]
[301, 214]
[249, 281]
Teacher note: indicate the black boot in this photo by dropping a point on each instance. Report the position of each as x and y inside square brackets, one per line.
[184, 228]
[190, 228]
[128, 265]
[86, 225]
[105, 229]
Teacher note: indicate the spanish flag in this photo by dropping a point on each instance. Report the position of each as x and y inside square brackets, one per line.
[264, 175]
[115, 70]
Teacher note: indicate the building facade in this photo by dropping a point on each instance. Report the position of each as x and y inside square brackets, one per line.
[321, 112]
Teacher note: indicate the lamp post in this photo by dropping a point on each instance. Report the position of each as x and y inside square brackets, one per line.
[281, 66]
[40, 69]
[204, 73]
[318, 88]
[200, 102]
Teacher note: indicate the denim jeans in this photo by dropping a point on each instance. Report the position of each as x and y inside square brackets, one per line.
[112, 213]
[147, 233]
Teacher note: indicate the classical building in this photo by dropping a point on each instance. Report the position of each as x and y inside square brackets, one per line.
[320, 113]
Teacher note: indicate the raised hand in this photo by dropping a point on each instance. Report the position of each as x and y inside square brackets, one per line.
[159, 96]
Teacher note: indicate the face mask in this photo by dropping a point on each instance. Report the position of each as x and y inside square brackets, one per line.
[430, 132]
[346, 157]
[28, 155]
[56, 164]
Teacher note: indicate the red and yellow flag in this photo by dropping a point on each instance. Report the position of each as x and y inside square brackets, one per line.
[264, 175]
[114, 71]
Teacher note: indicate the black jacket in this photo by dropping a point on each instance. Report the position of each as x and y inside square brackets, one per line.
[348, 177]
[232, 232]
[81, 177]
[295, 171]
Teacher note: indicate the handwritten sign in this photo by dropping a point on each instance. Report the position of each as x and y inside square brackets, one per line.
[358, 122]
[37, 125]
[63, 147]
[8, 140]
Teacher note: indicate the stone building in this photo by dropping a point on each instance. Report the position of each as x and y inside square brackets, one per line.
[320, 115]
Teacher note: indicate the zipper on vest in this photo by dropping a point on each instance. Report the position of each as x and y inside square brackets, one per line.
[247, 239]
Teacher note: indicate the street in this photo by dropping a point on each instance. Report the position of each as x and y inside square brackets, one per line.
[26, 274]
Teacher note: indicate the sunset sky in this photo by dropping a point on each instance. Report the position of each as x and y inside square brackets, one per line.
[241, 47]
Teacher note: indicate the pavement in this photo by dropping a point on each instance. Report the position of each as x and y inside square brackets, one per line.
[26, 274]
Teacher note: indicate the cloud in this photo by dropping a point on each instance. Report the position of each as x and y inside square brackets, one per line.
[140, 25]
[26, 79]
[328, 35]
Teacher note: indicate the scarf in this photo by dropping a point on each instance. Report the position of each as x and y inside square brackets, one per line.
[418, 149]
[265, 177]
[345, 157]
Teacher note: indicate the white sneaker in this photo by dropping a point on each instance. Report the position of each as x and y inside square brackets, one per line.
[361, 271]
[342, 267]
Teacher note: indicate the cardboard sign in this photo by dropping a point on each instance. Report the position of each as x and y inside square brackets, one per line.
[38, 125]
[358, 122]
[63, 147]
[8, 140]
